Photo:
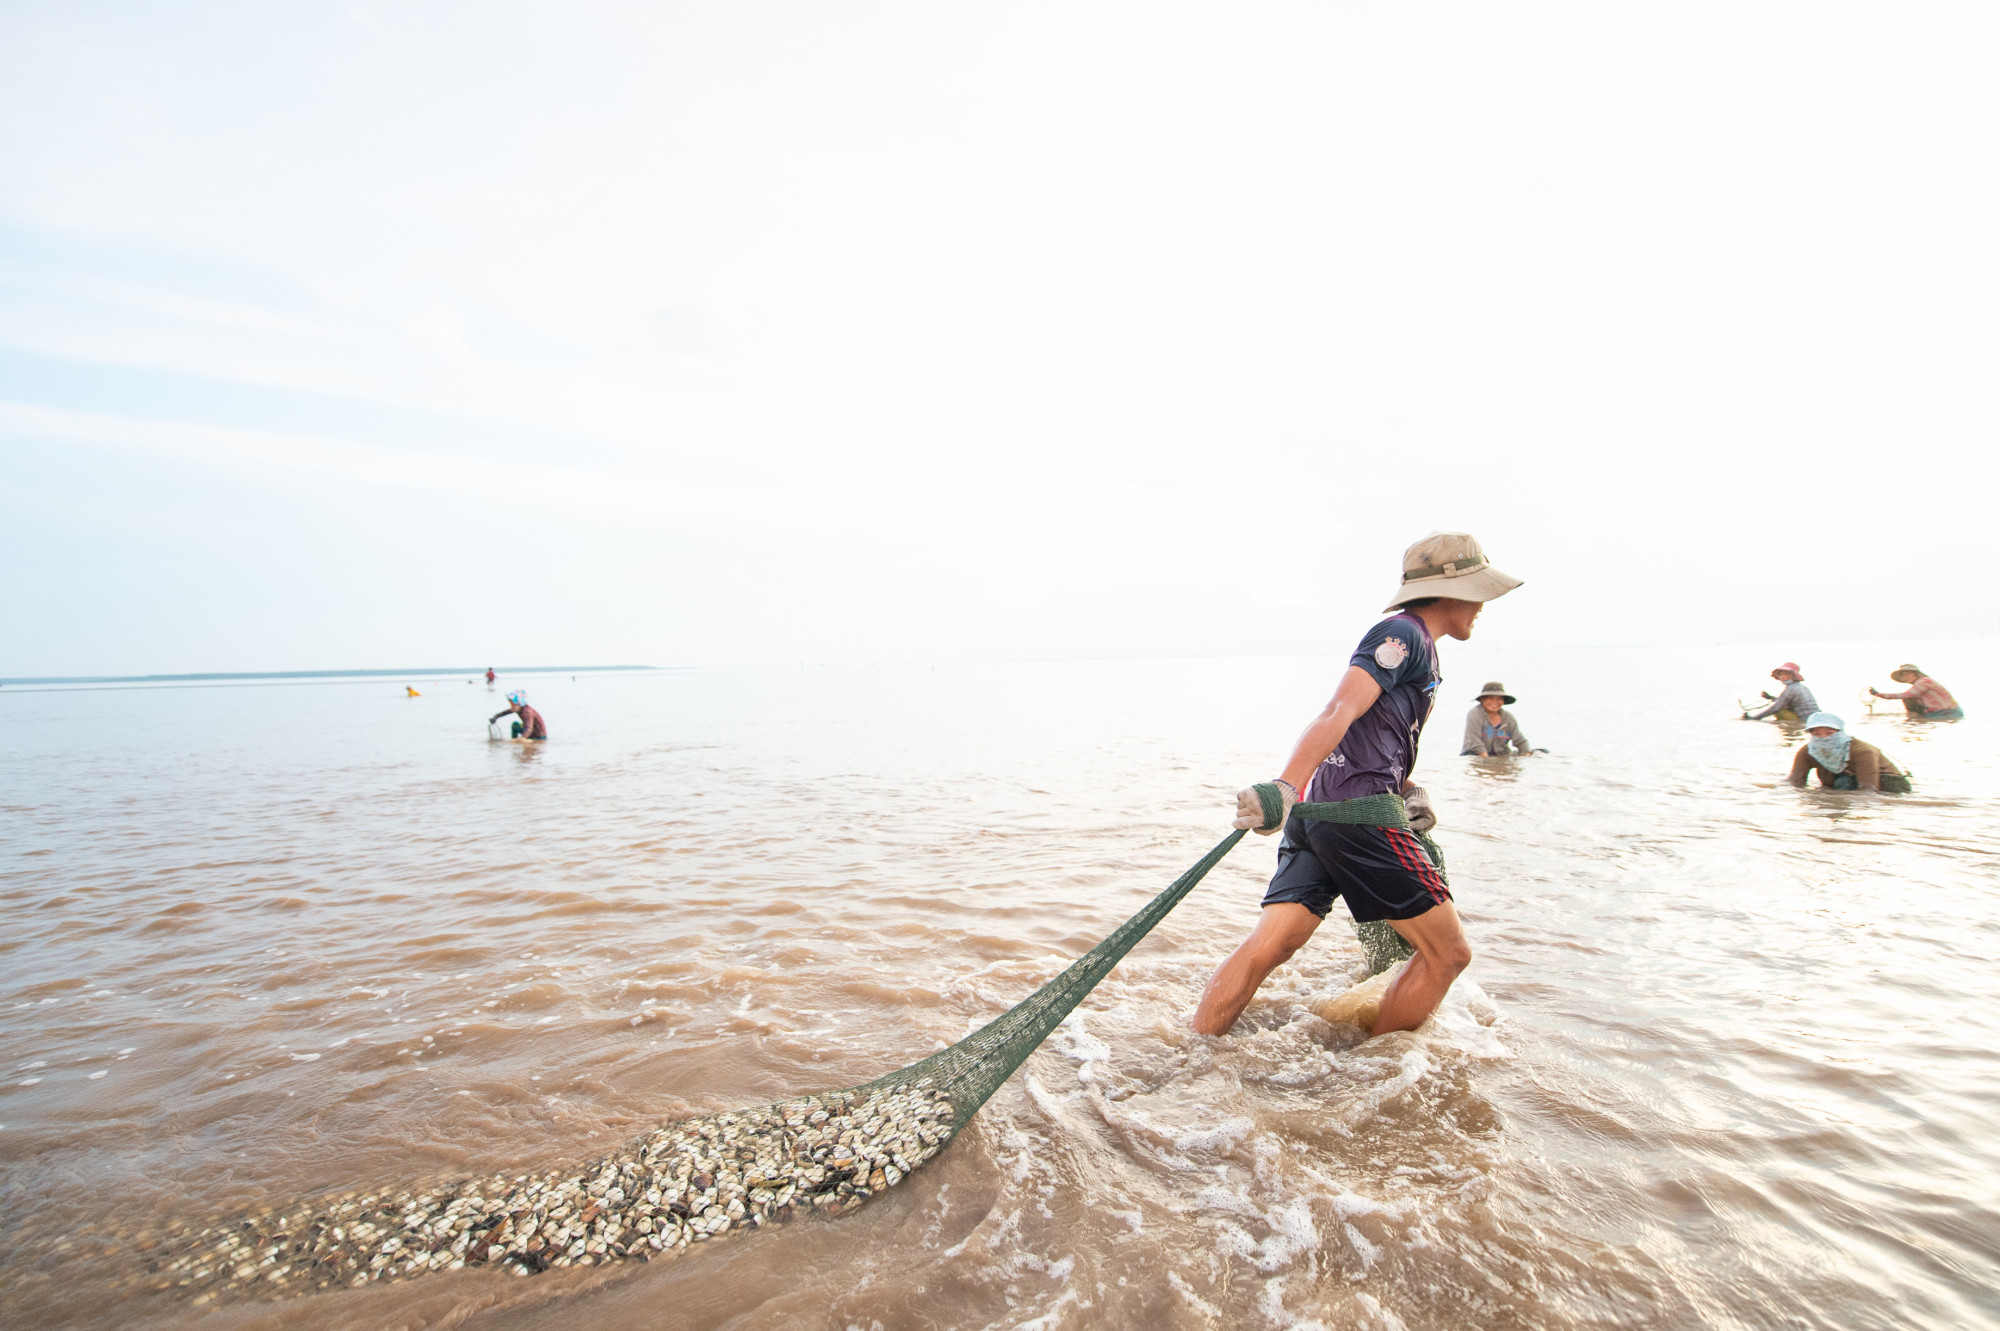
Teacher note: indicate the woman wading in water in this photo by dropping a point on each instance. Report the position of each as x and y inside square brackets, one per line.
[1792, 702]
[1843, 762]
[1922, 696]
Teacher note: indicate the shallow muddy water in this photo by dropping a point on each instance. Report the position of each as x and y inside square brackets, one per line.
[1727, 1054]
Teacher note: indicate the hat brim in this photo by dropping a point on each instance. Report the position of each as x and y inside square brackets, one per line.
[1484, 583]
[1506, 699]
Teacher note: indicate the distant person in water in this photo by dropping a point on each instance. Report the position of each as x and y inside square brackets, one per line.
[1364, 744]
[489, 674]
[1843, 762]
[1922, 695]
[1489, 727]
[528, 723]
[1793, 702]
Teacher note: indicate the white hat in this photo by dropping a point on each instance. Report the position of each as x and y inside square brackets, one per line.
[1451, 564]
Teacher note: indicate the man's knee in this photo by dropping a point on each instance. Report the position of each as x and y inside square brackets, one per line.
[1445, 948]
[1455, 956]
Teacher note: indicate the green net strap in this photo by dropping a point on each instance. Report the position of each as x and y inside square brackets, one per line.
[1384, 810]
[970, 1071]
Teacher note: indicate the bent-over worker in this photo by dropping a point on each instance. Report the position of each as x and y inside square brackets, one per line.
[1490, 727]
[1922, 695]
[1795, 700]
[1843, 762]
[528, 723]
[1365, 743]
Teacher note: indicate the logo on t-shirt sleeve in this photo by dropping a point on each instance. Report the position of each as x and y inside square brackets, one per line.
[1392, 653]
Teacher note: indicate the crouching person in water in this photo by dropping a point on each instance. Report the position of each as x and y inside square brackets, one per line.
[528, 723]
[1792, 702]
[1365, 743]
[1490, 727]
[1844, 762]
[1922, 695]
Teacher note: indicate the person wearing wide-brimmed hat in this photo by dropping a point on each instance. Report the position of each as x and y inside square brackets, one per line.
[1489, 727]
[1364, 744]
[1844, 762]
[1792, 702]
[1922, 696]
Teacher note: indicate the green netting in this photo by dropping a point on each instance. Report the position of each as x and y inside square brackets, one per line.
[970, 1071]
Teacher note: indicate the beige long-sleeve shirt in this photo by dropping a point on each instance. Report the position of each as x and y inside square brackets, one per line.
[1491, 735]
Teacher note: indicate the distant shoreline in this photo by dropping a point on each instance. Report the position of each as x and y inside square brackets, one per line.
[247, 676]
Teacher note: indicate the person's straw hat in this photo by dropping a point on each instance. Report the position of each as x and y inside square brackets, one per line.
[1905, 669]
[1451, 564]
[1494, 688]
[1792, 668]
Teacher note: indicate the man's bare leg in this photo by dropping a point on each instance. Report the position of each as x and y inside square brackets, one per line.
[1281, 931]
[1442, 953]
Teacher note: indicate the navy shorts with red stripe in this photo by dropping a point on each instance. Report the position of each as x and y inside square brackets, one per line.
[1382, 871]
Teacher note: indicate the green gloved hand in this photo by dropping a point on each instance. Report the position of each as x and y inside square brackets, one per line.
[1263, 808]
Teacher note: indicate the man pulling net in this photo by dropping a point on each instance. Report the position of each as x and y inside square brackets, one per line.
[1361, 748]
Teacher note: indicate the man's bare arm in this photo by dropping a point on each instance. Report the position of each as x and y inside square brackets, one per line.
[1352, 698]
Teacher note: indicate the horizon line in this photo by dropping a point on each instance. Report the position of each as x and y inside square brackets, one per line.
[425, 671]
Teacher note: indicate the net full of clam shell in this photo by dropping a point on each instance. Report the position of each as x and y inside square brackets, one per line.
[687, 1183]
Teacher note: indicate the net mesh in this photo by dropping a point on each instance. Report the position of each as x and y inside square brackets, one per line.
[967, 1073]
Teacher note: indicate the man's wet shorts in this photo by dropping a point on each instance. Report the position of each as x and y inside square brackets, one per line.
[1382, 871]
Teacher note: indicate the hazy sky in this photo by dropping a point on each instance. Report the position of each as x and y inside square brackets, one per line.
[400, 334]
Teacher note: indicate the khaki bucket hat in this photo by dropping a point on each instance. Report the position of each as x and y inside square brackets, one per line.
[1495, 689]
[1905, 669]
[1450, 563]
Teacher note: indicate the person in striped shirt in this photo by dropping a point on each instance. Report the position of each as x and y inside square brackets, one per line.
[1792, 704]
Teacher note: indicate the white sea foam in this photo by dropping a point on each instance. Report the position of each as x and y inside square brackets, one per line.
[1217, 1139]
[1383, 1318]
[1076, 1043]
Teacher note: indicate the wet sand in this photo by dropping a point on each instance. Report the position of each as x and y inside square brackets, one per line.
[1726, 1055]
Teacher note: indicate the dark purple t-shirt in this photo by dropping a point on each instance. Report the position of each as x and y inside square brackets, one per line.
[1380, 748]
